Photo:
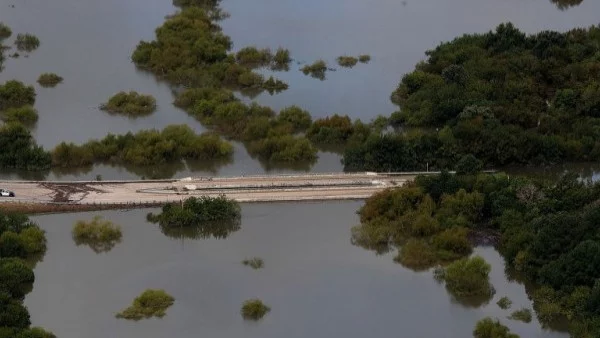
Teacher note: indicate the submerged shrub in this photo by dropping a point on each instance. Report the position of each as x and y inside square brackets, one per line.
[253, 57]
[273, 85]
[364, 58]
[14, 93]
[504, 303]
[49, 80]
[416, 255]
[468, 277]
[254, 309]
[524, 315]
[99, 234]
[254, 263]
[347, 61]
[281, 59]
[5, 31]
[317, 69]
[489, 328]
[131, 104]
[25, 114]
[27, 42]
[151, 303]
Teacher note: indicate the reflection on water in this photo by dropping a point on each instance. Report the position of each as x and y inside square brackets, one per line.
[566, 4]
[204, 230]
[317, 283]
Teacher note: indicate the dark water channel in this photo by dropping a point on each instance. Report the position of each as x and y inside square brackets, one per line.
[316, 282]
[89, 44]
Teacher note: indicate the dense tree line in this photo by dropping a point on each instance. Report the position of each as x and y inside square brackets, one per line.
[548, 232]
[503, 96]
[19, 239]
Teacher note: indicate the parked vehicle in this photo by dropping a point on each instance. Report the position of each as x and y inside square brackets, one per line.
[6, 193]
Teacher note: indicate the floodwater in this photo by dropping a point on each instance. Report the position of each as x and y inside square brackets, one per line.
[315, 281]
[89, 43]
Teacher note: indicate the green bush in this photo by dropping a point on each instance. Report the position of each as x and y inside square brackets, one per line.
[5, 31]
[281, 59]
[364, 58]
[488, 328]
[254, 309]
[25, 114]
[15, 94]
[49, 79]
[417, 255]
[27, 42]
[151, 303]
[523, 315]
[274, 85]
[99, 234]
[468, 277]
[347, 61]
[19, 150]
[252, 57]
[299, 119]
[131, 104]
[504, 303]
[317, 69]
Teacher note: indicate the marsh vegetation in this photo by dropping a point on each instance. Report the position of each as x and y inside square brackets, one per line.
[27, 42]
[347, 61]
[151, 303]
[5, 31]
[489, 328]
[26, 115]
[254, 309]
[131, 104]
[524, 315]
[254, 263]
[317, 69]
[49, 80]
[504, 303]
[99, 234]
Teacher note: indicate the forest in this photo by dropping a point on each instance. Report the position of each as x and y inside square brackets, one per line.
[546, 231]
[505, 97]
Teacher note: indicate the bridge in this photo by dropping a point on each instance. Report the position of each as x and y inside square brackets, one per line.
[263, 188]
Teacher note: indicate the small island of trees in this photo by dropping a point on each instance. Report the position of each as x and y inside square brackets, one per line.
[99, 234]
[202, 217]
[49, 80]
[130, 103]
[151, 303]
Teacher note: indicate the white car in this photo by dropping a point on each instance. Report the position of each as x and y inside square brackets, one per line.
[6, 193]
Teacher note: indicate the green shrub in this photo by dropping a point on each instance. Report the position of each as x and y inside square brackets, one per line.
[15, 94]
[274, 85]
[468, 277]
[504, 303]
[524, 315]
[49, 80]
[26, 115]
[281, 59]
[283, 149]
[27, 42]
[416, 255]
[19, 150]
[254, 309]
[252, 57]
[254, 263]
[5, 31]
[488, 328]
[151, 303]
[299, 119]
[452, 243]
[347, 61]
[317, 69]
[99, 234]
[131, 104]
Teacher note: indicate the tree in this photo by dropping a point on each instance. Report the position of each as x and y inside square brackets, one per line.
[468, 277]
[468, 165]
[489, 328]
[16, 94]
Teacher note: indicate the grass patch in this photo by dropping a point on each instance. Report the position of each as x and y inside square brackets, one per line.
[27, 42]
[131, 104]
[254, 309]
[26, 115]
[504, 303]
[151, 303]
[99, 234]
[347, 61]
[5, 31]
[49, 80]
[364, 58]
[254, 263]
[524, 315]
[317, 69]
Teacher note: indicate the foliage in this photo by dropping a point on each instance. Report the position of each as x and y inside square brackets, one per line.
[347, 61]
[252, 57]
[146, 147]
[203, 217]
[5, 31]
[317, 69]
[489, 328]
[15, 94]
[151, 303]
[566, 4]
[468, 277]
[27, 42]
[504, 97]
[49, 79]
[338, 130]
[523, 315]
[273, 85]
[364, 58]
[99, 234]
[416, 254]
[281, 59]
[131, 104]
[25, 114]
[254, 263]
[254, 309]
[504, 303]
[296, 117]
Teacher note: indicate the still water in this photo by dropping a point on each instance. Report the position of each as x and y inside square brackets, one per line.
[89, 43]
[315, 281]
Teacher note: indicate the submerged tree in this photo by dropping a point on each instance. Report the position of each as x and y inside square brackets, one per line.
[151, 303]
[99, 234]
